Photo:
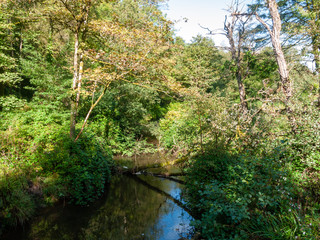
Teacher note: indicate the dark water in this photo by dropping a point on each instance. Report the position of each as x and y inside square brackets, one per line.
[142, 207]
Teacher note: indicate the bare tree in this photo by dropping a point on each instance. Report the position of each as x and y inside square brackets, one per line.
[236, 32]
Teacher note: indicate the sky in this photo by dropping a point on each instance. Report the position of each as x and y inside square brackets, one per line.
[190, 13]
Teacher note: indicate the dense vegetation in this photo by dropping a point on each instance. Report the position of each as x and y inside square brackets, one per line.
[81, 81]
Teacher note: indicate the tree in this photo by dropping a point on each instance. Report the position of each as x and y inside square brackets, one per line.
[301, 21]
[197, 66]
[274, 31]
[74, 15]
[113, 41]
[236, 29]
[130, 45]
[9, 76]
[236, 33]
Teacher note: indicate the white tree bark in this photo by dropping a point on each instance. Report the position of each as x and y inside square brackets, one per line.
[274, 32]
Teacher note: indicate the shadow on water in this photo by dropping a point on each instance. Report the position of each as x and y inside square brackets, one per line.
[133, 207]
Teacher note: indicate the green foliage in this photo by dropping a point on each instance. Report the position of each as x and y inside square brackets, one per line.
[126, 143]
[83, 168]
[262, 73]
[302, 148]
[227, 192]
[182, 98]
[285, 225]
[16, 204]
[11, 103]
[125, 116]
[196, 123]
[8, 63]
[198, 64]
[179, 128]
[39, 159]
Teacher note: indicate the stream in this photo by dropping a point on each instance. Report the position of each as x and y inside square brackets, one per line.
[133, 207]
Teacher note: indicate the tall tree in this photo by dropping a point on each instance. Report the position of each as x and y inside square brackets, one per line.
[236, 29]
[274, 31]
[236, 33]
[127, 41]
[9, 77]
[74, 15]
[113, 41]
[301, 21]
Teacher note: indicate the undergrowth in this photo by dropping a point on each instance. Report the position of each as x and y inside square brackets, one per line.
[247, 197]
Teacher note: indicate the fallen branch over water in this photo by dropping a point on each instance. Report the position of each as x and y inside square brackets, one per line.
[166, 176]
[176, 201]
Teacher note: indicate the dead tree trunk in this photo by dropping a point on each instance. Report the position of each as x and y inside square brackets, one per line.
[235, 49]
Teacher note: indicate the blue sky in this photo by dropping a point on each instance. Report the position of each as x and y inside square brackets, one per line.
[208, 13]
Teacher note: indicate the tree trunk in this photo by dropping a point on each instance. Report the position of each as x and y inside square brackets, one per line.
[283, 69]
[316, 57]
[79, 79]
[275, 39]
[80, 32]
[74, 87]
[277, 49]
[242, 94]
[236, 58]
[20, 43]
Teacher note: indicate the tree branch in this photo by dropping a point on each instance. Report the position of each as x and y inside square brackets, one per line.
[211, 32]
[90, 110]
[264, 24]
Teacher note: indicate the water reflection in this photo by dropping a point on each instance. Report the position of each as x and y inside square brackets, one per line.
[130, 210]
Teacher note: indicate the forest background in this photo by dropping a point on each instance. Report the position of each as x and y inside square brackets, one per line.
[82, 81]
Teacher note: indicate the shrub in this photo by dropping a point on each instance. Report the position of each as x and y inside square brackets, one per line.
[16, 203]
[226, 192]
[82, 168]
[284, 225]
[38, 159]
[195, 124]
[303, 150]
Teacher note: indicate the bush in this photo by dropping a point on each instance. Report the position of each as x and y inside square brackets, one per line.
[83, 168]
[227, 192]
[285, 225]
[193, 125]
[75, 170]
[39, 162]
[303, 150]
[16, 203]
